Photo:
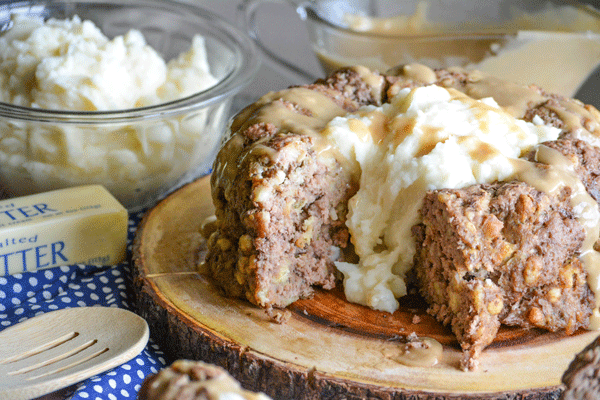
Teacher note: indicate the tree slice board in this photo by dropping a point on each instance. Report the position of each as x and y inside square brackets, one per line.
[327, 348]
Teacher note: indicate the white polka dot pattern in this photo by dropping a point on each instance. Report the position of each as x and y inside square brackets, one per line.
[26, 295]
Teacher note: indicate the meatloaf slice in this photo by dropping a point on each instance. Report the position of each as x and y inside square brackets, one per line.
[281, 197]
[502, 253]
[283, 218]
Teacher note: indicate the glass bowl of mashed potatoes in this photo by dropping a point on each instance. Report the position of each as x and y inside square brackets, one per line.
[132, 95]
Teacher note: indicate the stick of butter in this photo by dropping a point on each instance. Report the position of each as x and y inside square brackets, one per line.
[80, 225]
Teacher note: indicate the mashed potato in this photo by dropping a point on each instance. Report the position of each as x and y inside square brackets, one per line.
[71, 65]
[425, 138]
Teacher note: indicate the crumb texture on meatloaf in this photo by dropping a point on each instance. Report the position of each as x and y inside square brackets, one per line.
[492, 254]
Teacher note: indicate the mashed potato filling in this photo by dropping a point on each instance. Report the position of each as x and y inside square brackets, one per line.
[425, 138]
[71, 65]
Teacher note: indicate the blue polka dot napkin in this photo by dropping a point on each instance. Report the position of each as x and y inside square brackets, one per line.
[26, 295]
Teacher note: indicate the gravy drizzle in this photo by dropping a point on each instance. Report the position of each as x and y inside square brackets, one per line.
[299, 110]
[417, 352]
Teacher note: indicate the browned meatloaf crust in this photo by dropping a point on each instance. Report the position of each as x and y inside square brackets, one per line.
[582, 377]
[503, 253]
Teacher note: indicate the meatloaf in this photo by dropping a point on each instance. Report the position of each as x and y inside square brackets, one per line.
[194, 380]
[489, 254]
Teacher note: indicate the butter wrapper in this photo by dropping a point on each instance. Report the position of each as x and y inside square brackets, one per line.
[80, 225]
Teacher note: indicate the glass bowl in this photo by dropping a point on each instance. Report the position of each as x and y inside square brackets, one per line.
[552, 43]
[138, 154]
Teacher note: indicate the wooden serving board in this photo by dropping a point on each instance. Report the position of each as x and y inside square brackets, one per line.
[328, 348]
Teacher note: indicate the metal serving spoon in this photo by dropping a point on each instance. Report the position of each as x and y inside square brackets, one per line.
[57, 349]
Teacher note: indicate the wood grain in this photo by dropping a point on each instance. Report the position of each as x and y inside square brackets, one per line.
[328, 348]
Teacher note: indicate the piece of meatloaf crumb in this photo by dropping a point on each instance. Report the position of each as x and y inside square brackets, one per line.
[194, 380]
[582, 377]
[502, 253]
